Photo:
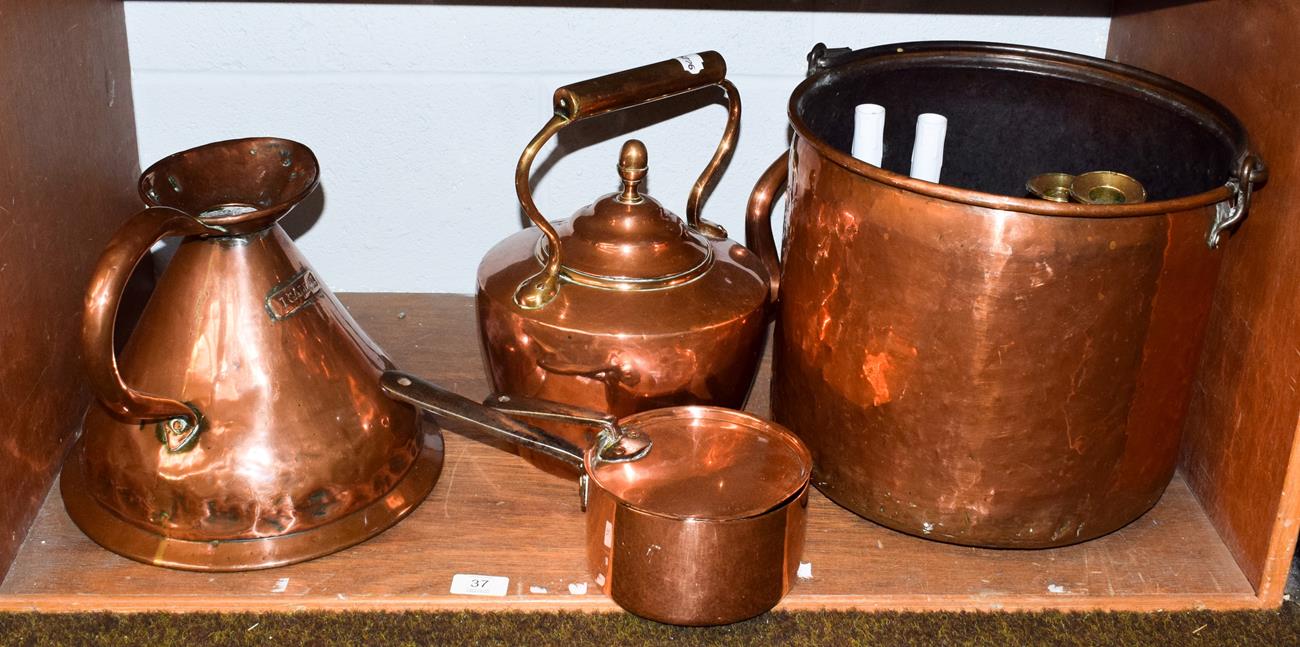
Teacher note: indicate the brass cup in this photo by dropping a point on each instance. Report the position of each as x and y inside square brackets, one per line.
[1107, 187]
[1051, 186]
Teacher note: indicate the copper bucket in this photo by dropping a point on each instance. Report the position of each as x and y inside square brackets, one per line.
[970, 364]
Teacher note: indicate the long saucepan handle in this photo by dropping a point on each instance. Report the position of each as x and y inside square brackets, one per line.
[178, 423]
[520, 406]
[408, 388]
[758, 219]
[613, 445]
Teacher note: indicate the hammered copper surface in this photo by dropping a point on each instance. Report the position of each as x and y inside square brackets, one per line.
[705, 528]
[293, 437]
[985, 369]
[626, 306]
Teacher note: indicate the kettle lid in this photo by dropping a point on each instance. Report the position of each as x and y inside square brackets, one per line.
[628, 240]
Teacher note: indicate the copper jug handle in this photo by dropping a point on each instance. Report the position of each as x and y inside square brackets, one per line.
[758, 219]
[178, 423]
[611, 93]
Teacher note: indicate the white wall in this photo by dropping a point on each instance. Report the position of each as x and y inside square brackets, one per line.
[418, 112]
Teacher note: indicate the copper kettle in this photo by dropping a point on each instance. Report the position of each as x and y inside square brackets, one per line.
[245, 428]
[624, 307]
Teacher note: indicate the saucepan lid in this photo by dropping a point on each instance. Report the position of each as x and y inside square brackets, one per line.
[705, 463]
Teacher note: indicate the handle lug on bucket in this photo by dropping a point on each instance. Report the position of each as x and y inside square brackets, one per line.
[1232, 211]
[822, 57]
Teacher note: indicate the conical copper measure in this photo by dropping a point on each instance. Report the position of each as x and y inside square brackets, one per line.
[243, 426]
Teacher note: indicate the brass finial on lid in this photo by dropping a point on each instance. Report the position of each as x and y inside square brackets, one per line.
[632, 167]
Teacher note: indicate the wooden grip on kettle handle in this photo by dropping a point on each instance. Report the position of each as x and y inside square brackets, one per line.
[178, 421]
[758, 219]
[639, 85]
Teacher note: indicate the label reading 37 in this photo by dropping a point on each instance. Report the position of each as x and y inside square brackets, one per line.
[465, 584]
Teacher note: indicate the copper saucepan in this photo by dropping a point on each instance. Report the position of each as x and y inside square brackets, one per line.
[695, 515]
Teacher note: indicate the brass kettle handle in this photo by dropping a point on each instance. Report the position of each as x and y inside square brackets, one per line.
[178, 423]
[611, 93]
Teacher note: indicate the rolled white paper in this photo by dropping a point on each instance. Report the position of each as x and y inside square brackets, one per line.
[927, 150]
[869, 133]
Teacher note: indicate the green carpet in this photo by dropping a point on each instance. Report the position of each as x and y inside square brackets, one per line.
[795, 629]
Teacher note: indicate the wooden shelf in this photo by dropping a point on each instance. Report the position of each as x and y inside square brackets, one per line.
[494, 514]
